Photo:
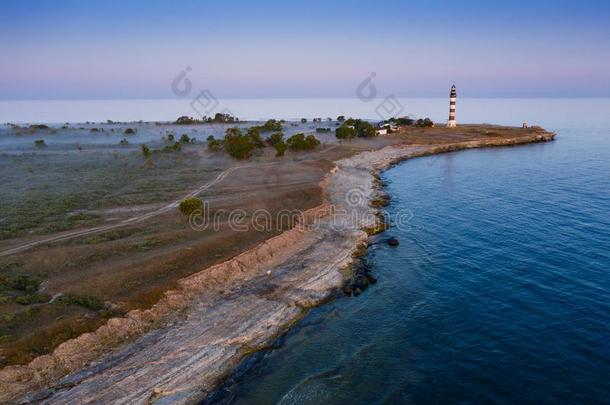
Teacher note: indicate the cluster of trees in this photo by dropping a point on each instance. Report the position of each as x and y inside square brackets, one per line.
[299, 142]
[218, 118]
[270, 125]
[241, 146]
[424, 123]
[352, 128]
[172, 146]
[407, 121]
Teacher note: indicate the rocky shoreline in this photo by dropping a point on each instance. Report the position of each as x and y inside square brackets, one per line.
[192, 339]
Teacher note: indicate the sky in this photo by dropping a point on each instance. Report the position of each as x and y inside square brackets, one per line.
[289, 49]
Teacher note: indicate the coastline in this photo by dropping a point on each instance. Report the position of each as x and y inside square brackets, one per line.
[242, 311]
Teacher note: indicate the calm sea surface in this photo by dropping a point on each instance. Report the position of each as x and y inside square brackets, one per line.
[499, 291]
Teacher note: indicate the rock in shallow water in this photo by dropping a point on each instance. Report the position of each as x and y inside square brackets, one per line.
[393, 242]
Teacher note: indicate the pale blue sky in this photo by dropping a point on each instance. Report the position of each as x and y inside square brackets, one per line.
[133, 49]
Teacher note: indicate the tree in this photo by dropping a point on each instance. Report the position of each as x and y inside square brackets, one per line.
[364, 129]
[303, 120]
[280, 148]
[129, 131]
[214, 144]
[255, 137]
[345, 132]
[170, 137]
[301, 142]
[275, 138]
[184, 138]
[238, 145]
[341, 118]
[424, 123]
[185, 120]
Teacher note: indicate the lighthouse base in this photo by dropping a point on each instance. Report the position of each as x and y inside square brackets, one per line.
[451, 124]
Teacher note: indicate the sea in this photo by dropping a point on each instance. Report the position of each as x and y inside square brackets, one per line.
[499, 291]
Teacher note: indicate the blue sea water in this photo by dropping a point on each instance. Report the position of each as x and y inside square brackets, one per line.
[499, 291]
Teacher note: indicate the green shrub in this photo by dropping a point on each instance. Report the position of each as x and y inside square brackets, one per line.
[255, 137]
[21, 282]
[176, 147]
[184, 138]
[424, 123]
[214, 144]
[39, 142]
[301, 142]
[146, 151]
[88, 301]
[280, 148]
[39, 126]
[272, 125]
[129, 131]
[32, 299]
[184, 120]
[275, 138]
[364, 129]
[190, 205]
[170, 137]
[124, 142]
[238, 145]
[345, 132]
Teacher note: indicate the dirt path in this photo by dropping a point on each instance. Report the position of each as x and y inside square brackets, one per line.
[128, 221]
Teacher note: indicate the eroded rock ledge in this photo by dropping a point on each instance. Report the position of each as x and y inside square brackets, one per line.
[186, 344]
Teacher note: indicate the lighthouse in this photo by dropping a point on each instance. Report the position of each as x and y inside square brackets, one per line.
[452, 98]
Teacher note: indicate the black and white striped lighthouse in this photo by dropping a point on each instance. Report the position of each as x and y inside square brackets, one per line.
[452, 99]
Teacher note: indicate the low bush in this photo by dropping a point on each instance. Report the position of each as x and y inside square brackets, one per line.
[12, 280]
[146, 151]
[129, 131]
[190, 205]
[214, 145]
[32, 299]
[39, 142]
[176, 147]
[88, 301]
